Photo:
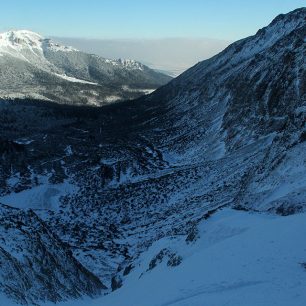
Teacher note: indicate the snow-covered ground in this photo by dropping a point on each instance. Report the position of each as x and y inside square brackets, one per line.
[145, 91]
[5, 301]
[45, 196]
[74, 80]
[240, 259]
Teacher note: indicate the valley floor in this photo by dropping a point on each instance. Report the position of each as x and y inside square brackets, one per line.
[239, 259]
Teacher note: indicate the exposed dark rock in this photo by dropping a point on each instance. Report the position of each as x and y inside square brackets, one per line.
[116, 282]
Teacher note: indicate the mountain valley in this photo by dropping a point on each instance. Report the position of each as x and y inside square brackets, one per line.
[124, 197]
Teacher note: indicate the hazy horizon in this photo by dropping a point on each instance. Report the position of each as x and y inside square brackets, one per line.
[171, 55]
[170, 35]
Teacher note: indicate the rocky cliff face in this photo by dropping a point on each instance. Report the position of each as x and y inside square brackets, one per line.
[228, 132]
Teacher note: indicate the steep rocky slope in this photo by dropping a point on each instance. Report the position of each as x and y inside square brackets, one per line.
[32, 66]
[228, 132]
[35, 265]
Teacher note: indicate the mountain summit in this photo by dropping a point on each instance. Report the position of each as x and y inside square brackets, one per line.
[33, 66]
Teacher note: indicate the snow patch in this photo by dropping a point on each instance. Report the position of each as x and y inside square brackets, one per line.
[46, 196]
[75, 80]
[239, 257]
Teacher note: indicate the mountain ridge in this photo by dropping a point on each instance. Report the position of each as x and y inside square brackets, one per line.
[46, 70]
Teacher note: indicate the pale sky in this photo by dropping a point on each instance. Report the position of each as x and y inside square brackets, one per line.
[170, 35]
[173, 55]
[217, 19]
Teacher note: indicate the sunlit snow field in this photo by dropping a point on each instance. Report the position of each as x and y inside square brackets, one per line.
[240, 259]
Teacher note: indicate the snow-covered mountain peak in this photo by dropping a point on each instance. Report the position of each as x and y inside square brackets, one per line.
[285, 30]
[296, 17]
[129, 63]
[23, 45]
[29, 58]
[278, 29]
[50, 44]
[23, 35]
[23, 39]
[283, 25]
